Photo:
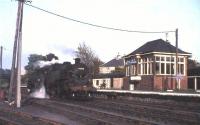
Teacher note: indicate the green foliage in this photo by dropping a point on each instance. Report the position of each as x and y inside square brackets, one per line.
[4, 83]
[103, 85]
[4, 78]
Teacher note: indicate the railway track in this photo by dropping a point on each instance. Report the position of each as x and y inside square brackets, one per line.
[153, 113]
[171, 104]
[88, 115]
[105, 112]
[13, 117]
[146, 111]
[164, 104]
[149, 112]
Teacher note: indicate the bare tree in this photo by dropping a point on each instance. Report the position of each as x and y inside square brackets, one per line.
[89, 58]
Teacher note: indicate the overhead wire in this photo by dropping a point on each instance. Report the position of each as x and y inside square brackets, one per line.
[94, 25]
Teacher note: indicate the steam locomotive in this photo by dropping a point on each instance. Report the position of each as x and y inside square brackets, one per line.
[62, 80]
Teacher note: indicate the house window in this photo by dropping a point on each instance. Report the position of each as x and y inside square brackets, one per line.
[172, 68]
[180, 59]
[167, 59]
[180, 68]
[157, 58]
[168, 68]
[150, 68]
[139, 69]
[162, 58]
[162, 68]
[111, 83]
[127, 71]
[132, 70]
[157, 68]
[97, 82]
[103, 85]
[172, 59]
[145, 68]
[149, 65]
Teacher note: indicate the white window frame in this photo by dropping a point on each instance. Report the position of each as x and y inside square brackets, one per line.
[150, 62]
[147, 62]
[166, 62]
[140, 66]
[127, 71]
[132, 70]
[179, 62]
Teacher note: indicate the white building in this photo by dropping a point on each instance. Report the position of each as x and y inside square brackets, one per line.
[111, 75]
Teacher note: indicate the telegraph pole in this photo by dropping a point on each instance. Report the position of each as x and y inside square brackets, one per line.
[15, 80]
[176, 36]
[18, 94]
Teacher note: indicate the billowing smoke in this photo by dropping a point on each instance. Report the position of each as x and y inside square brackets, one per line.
[40, 93]
[41, 64]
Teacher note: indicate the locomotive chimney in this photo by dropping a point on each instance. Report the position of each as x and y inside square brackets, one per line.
[77, 60]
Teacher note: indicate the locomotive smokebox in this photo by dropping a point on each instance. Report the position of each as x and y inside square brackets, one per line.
[77, 60]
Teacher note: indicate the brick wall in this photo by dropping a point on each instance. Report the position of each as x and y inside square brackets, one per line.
[169, 83]
[117, 83]
[126, 83]
[160, 83]
[184, 83]
[146, 83]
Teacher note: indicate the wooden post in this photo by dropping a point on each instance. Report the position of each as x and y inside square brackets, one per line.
[15, 80]
[195, 83]
[18, 94]
[179, 84]
[13, 68]
[176, 35]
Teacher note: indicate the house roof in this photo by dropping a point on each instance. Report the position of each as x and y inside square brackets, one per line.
[114, 63]
[158, 45]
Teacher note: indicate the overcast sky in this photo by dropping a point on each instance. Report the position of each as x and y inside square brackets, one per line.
[44, 33]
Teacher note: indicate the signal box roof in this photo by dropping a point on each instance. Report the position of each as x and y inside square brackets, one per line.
[158, 45]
